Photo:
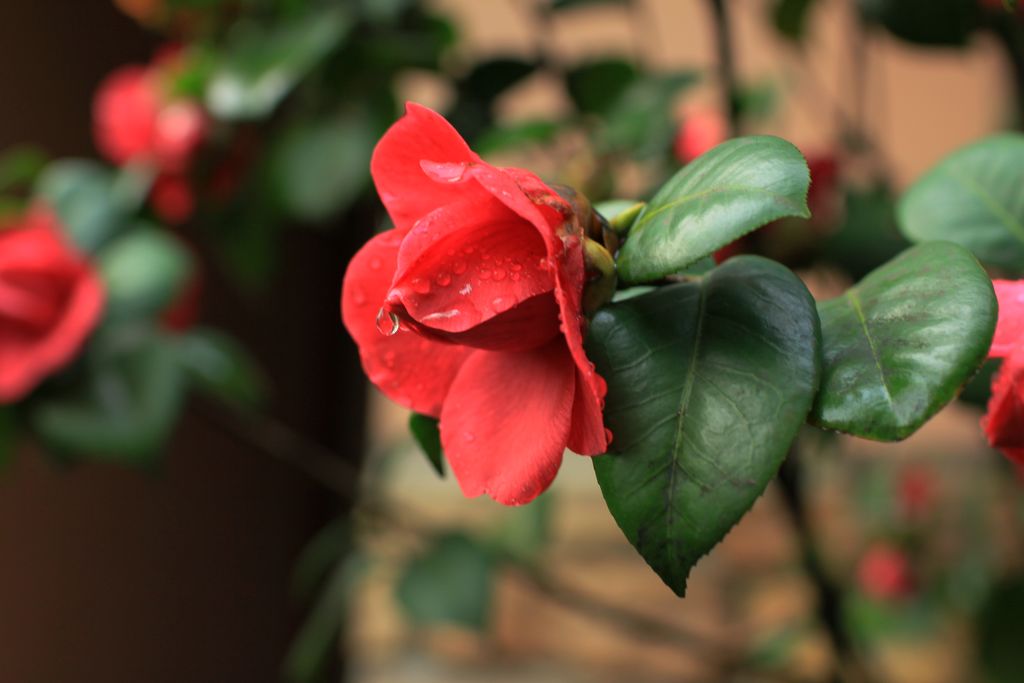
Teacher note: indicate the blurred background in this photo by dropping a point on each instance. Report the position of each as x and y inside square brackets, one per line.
[281, 523]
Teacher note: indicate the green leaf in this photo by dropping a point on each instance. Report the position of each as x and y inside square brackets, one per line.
[451, 583]
[596, 86]
[868, 236]
[899, 345]
[428, 436]
[489, 79]
[144, 271]
[1010, 5]
[973, 198]
[320, 169]
[790, 18]
[222, 367]
[640, 122]
[92, 203]
[736, 187]
[1000, 633]
[124, 409]
[709, 382]
[262, 64]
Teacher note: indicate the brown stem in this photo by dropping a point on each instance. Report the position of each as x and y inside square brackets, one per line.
[726, 65]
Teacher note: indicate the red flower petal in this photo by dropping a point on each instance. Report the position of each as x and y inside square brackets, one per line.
[467, 263]
[505, 423]
[1004, 422]
[1010, 328]
[124, 114]
[404, 188]
[411, 370]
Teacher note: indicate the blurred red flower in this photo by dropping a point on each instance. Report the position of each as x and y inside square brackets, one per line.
[50, 300]
[701, 130]
[470, 310]
[884, 573]
[172, 198]
[135, 118]
[1003, 424]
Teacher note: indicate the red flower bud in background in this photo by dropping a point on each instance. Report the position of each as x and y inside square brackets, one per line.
[701, 130]
[916, 491]
[884, 573]
[470, 310]
[1003, 424]
[50, 300]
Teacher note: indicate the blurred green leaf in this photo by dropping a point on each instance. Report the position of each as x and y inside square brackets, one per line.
[525, 532]
[451, 583]
[489, 79]
[322, 553]
[220, 366]
[318, 642]
[973, 198]
[722, 195]
[123, 409]
[567, 4]
[321, 168]
[262, 64]
[144, 271]
[900, 344]
[19, 166]
[499, 138]
[92, 202]
[868, 236]
[790, 18]
[1001, 632]
[596, 86]
[926, 22]
[641, 122]
[424, 430]
[709, 383]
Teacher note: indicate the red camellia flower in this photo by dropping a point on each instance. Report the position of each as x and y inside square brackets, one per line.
[50, 299]
[1004, 422]
[470, 310]
[884, 573]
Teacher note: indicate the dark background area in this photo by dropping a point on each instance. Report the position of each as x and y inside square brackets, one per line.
[108, 574]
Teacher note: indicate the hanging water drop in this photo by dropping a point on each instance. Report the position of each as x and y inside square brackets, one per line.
[387, 323]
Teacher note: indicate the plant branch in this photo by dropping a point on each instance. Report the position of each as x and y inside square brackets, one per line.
[726, 65]
[849, 666]
[1011, 36]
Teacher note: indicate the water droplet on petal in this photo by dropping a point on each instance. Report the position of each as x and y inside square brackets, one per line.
[499, 274]
[468, 436]
[516, 266]
[389, 359]
[515, 277]
[459, 267]
[420, 286]
[485, 273]
[443, 279]
[387, 323]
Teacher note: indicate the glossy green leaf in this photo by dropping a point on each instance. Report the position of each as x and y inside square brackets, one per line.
[125, 407]
[709, 382]
[143, 271]
[899, 345]
[93, 203]
[262, 64]
[596, 86]
[451, 583]
[736, 187]
[424, 429]
[220, 366]
[973, 198]
[320, 169]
